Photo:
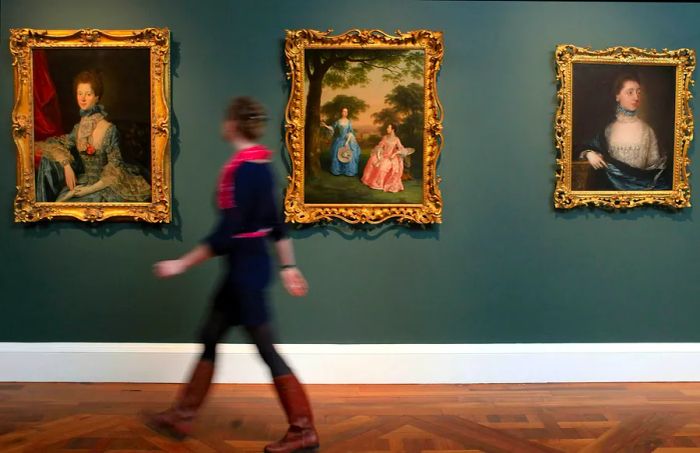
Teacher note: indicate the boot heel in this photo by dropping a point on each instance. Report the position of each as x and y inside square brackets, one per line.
[177, 422]
[307, 450]
[158, 423]
[301, 437]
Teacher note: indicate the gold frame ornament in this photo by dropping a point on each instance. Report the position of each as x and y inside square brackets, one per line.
[428, 210]
[23, 42]
[678, 65]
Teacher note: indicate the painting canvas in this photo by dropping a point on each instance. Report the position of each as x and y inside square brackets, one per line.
[367, 112]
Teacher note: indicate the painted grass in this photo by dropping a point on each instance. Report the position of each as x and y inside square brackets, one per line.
[327, 188]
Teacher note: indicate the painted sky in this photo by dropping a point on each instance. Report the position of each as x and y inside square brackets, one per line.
[373, 94]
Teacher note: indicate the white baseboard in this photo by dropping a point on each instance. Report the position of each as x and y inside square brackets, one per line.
[366, 364]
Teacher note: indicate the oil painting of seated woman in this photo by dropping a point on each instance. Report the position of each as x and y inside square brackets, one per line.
[86, 165]
[384, 169]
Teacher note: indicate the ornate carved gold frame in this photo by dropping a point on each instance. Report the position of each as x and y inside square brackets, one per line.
[679, 196]
[22, 42]
[296, 209]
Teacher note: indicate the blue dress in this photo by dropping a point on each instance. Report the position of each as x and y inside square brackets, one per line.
[623, 176]
[123, 181]
[340, 136]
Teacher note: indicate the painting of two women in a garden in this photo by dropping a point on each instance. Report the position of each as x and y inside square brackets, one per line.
[364, 123]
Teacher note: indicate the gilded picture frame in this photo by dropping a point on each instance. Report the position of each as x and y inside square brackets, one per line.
[108, 158]
[623, 127]
[360, 99]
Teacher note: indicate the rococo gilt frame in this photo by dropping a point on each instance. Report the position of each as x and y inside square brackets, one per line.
[415, 54]
[590, 88]
[150, 49]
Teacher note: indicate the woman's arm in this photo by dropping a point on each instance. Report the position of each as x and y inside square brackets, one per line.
[381, 147]
[69, 174]
[292, 278]
[69, 141]
[350, 134]
[594, 158]
[400, 150]
[81, 191]
[171, 268]
[57, 148]
[594, 150]
[655, 158]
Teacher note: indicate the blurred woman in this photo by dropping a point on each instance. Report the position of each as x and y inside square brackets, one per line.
[246, 198]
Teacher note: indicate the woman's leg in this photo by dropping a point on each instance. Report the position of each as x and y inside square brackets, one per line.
[263, 338]
[214, 329]
[177, 421]
[301, 435]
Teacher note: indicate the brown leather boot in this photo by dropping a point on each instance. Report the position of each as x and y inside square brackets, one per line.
[177, 421]
[301, 435]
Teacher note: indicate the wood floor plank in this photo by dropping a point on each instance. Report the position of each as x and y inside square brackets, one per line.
[522, 418]
[639, 434]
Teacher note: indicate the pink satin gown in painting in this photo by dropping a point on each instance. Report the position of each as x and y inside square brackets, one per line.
[385, 166]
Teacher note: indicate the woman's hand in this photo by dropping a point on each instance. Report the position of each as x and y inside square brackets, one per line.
[70, 176]
[596, 160]
[378, 160]
[81, 191]
[169, 268]
[66, 196]
[294, 282]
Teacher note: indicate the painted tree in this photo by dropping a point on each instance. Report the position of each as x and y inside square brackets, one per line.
[336, 68]
[406, 112]
[331, 109]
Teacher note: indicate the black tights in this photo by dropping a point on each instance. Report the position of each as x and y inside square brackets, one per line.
[262, 336]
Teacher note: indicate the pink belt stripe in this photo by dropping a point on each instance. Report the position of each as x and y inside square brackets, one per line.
[253, 234]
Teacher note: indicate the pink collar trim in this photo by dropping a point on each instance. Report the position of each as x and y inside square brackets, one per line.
[225, 195]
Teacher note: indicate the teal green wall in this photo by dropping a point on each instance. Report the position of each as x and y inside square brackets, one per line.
[503, 267]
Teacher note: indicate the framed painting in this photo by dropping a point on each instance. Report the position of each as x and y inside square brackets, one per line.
[363, 126]
[91, 121]
[623, 127]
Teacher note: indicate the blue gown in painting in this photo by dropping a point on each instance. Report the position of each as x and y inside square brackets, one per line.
[342, 134]
[92, 160]
[631, 152]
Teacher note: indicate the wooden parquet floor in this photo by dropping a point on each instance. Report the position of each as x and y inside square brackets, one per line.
[529, 418]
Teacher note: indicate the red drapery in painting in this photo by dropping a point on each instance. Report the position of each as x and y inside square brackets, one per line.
[47, 114]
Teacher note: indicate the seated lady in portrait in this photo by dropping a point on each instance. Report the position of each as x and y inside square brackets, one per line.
[345, 151]
[627, 148]
[384, 167]
[86, 165]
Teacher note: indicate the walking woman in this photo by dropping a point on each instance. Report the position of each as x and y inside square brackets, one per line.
[248, 217]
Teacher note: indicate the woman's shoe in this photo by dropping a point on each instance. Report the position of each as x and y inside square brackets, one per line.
[301, 435]
[177, 421]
